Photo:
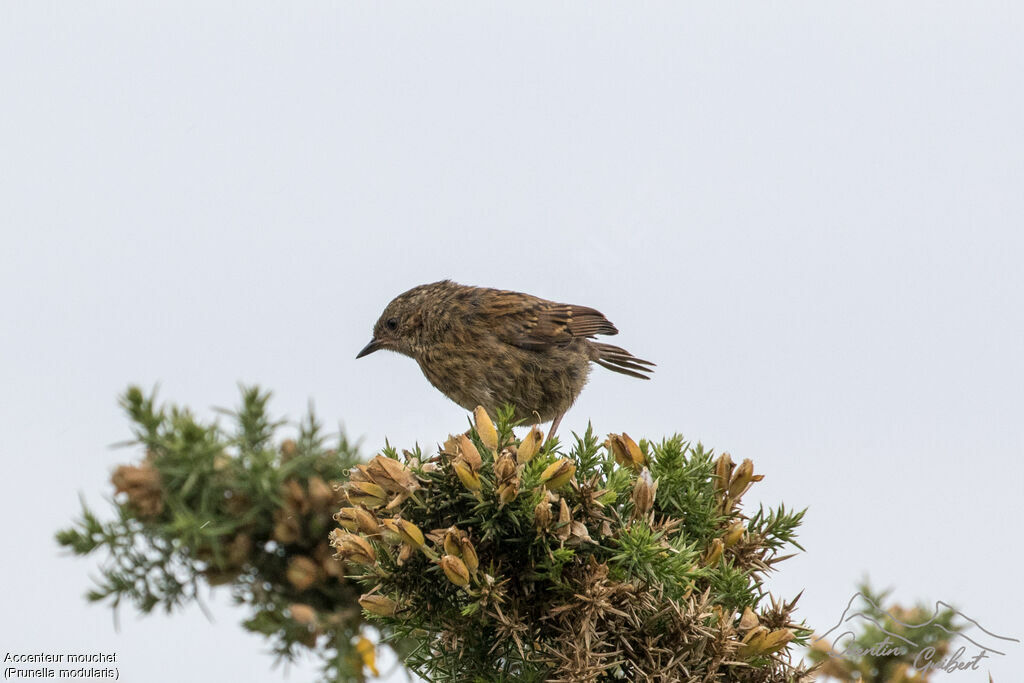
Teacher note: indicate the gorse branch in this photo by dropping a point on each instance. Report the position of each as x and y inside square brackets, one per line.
[226, 506]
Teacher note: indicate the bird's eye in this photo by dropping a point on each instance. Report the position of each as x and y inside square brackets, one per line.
[391, 324]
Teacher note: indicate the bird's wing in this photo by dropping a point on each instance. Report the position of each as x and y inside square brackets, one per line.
[530, 322]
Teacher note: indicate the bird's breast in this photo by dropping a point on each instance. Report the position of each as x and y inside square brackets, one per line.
[493, 374]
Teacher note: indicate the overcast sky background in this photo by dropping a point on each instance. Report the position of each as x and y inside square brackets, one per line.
[808, 214]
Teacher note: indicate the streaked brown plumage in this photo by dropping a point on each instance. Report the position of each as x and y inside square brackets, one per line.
[489, 347]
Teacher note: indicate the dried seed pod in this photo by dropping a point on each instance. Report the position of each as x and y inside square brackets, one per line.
[469, 556]
[754, 641]
[366, 521]
[330, 565]
[723, 473]
[485, 428]
[450, 447]
[456, 570]
[303, 614]
[391, 475]
[295, 499]
[643, 493]
[742, 478]
[618, 449]
[397, 501]
[505, 468]
[320, 494]
[469, 452]
[286, 527]
[302, 572]
[142, 486]
[353, 547]
[749, 620]
[380, 605]
[578, 533]
[564, 526]
[358, 473]
[542, 515]
[346, 517]
[239, 550]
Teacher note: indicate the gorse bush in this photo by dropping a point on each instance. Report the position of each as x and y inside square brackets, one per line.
[506, 561]
[489, 558]
[230, 507]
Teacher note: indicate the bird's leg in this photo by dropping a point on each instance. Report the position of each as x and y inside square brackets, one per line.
[554, 426]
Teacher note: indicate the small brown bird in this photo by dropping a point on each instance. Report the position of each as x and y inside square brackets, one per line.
[490, 347]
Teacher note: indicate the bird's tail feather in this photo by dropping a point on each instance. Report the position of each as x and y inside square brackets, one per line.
[620, 360]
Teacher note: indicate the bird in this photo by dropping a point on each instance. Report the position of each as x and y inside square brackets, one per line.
[491, 347]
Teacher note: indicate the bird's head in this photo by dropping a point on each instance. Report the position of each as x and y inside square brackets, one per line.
[401, 327]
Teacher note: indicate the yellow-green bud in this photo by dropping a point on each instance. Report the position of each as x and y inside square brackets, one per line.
[366, 493]
[733, 534]
[626, 451]
[485, 428]
[389, 531]
[451, 542]
[467, 475]
[530, 446]
[776, 640]
[558, 474]
[410, 533]
[714, 552]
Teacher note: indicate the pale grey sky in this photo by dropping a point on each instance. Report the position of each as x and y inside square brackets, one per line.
[808, 214]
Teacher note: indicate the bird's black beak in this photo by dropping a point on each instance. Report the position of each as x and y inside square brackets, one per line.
[374, 345]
